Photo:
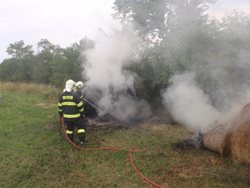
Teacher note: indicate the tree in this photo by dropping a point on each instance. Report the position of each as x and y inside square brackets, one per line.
[16, 70]
[46, 53]
[19, 67]
[148, 17]
[68, 64]
[61, 69]
[152, 74]
[19, 50]
[154, 20]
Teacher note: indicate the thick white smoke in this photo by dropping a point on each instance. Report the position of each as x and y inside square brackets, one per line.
[106, 61]
[217, 84]
[107, 78]
[189, 104]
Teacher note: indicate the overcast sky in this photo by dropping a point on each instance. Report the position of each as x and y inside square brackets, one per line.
[64, 22]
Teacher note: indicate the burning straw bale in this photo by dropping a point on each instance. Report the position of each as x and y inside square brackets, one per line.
[233, 136]
[241, 136]
[241, 143]
[218, 139]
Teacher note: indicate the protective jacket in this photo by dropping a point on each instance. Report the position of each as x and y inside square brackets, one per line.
[70, 106]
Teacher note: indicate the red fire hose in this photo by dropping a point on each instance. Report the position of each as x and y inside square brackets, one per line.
[130, 152]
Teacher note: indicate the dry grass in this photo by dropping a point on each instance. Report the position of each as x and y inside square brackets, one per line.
[47, 91]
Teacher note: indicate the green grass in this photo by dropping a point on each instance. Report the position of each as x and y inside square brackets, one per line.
[34, 154]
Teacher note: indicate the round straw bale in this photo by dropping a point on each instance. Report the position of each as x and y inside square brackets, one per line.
[218, 140]
[241, 143]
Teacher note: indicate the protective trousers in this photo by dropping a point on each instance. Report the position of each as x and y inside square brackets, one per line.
[79, 125]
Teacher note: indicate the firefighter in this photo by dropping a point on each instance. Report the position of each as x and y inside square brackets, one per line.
[78, 89]
[70, 108]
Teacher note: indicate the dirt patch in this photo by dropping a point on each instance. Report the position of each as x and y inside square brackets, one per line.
[194, 169]
[186, 171]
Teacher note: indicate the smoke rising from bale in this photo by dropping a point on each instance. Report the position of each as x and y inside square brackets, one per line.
[214, 82]
[107, 78]
[209, 93]
[189, 104]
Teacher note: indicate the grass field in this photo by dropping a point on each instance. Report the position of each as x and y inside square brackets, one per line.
[34, 154]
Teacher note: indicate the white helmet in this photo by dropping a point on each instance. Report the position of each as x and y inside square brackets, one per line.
[79, 84]
[69, 85]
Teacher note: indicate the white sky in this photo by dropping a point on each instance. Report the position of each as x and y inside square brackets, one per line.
[64, 22]
[222, 6]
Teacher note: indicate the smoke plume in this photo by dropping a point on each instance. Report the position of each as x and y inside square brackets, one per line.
[215, 83]
[206, 96]
[189, 104]
[108, 83]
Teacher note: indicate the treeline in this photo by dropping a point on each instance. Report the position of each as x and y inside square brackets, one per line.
[178, 36]
[51, 64]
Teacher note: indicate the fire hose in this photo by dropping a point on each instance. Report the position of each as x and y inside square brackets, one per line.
[91, 104]
[130, 152]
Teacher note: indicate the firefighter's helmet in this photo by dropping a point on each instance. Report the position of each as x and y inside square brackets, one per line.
[69, 85]
[79, 84]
